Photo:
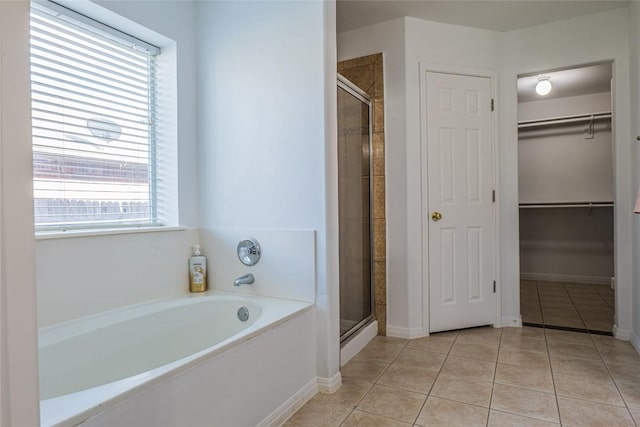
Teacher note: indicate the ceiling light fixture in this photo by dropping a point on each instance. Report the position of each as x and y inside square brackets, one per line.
[543, 87]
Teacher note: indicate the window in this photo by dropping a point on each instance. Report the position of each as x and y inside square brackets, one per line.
[93, 123]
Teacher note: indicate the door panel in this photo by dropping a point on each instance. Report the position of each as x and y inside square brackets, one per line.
[460, 184]
[354, 210]
[447, 274]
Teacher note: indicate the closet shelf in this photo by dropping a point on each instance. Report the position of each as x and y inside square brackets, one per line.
[566, 205]
[564, 119]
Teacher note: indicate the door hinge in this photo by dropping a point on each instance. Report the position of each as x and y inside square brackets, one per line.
[494, 286]
[493, 196]
[492, 104]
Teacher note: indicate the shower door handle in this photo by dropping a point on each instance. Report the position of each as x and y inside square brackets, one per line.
[436, 216]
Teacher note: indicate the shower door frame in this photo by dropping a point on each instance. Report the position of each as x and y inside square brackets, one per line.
[359, 94]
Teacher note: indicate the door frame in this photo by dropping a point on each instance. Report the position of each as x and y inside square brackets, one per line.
[492, 75]
[622, 243]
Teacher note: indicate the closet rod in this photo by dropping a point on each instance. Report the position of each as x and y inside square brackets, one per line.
[564, 119]
[566, 205]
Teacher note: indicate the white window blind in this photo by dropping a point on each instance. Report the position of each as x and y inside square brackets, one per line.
[93, 104]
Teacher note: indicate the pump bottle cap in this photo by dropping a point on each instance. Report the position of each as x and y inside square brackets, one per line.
[196, 250]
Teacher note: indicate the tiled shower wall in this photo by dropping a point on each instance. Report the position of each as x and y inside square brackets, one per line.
[367, 73]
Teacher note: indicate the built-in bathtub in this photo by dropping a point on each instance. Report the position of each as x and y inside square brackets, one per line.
[186, 360]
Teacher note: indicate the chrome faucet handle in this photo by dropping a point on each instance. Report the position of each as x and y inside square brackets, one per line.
[249, 251]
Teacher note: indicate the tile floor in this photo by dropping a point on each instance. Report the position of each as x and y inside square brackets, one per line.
[485, 377]
[569, 305]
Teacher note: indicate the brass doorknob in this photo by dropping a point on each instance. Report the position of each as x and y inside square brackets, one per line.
[436, 216]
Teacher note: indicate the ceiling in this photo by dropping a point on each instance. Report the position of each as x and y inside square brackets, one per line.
[573, 82]
[491, 15]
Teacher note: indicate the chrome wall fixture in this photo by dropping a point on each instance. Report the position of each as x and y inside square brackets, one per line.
[249, 251]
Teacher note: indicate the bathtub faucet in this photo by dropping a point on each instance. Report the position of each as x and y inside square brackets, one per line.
[247, 279]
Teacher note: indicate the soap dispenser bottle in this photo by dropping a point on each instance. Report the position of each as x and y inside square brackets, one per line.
[197, 271]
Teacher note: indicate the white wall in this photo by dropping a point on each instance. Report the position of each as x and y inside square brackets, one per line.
[280, 273]
[568, 245]
[173, 20]
[405, 43]
[583, 40]
[634, 61]
[18, 346]
[570, 105]
[263, 86]
[388, 38]
[79, 276]
[439, 44]
[328, 296]
[558, 164]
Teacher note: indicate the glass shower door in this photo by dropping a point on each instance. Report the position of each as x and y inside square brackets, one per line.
[354, 206]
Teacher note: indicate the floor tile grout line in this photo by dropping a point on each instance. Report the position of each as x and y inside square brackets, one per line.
[385, 370]
[378, 415]
[595, 402]
[437, 375]
[615, 383]
[524, 416]
[388, 363]
[553, 379]
[464, 403]
[348, 415]
[495, 372]
[354, 407]
[539, 303]
[525, 388]
[404, 389]
[575, 306]
[591, 401]
[593, 287]
[584, 322]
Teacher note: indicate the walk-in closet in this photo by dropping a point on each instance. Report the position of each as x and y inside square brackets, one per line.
[566, 199]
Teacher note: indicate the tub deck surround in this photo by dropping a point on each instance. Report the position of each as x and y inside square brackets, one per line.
[148, 265]
[286, 268]
[150, 343]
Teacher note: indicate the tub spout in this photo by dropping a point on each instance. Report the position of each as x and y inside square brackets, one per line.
[247, 279]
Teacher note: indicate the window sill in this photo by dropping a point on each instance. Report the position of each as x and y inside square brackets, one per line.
[46, 235]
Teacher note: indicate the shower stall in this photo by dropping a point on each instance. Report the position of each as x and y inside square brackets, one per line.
[354, 206]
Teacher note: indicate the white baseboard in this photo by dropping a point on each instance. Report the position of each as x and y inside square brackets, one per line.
[329, 385]
[511, 322]
[635, 342]
[358, 342]
[406, 333]
[568, 278]
[288, 408]
[621, 334]
[299, 398]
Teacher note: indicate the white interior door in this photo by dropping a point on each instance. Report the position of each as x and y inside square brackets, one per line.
[461, 235]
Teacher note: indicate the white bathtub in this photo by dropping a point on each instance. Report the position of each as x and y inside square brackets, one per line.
[90, 365]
